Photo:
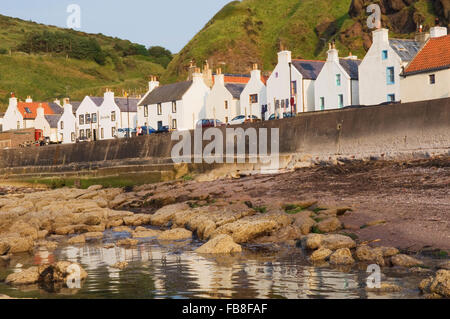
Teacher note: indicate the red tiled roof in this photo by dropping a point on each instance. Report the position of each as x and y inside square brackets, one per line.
[434, 55]
[29, 110]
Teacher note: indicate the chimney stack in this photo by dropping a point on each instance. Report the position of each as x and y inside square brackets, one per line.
[437, 31]
[219, 77]
[153, 83]
[29, 99]
[333, 54]
[284, 57]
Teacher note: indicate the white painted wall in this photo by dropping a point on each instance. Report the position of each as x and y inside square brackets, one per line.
[141, 119]
[106, 120]
[69, 127]
[254, 86]
[279, 82]
[327, 87]
[215, 102]
[309, 95]
[40, 123]
[87, 106]
[13, 119]
[1, 124]
[373, 86]
[418, 88]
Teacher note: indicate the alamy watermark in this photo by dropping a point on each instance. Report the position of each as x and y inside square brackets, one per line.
[73, 281]
[374, 20]
[237, 146]
[74, 19]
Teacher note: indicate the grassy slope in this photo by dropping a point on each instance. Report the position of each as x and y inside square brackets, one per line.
[252, 30]
[47, 77]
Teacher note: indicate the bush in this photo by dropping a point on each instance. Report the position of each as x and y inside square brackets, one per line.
[3, 51]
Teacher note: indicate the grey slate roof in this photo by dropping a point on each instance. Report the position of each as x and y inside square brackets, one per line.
[122, 104]
[235, 89]
[406, 49]
[56, 108]
[351, 67]
[167, 93]
[75, 106]
[97, 100]
[53, 120]
[308, 69]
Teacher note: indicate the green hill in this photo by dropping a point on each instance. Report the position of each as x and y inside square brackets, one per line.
[252, 31]
[47, 62]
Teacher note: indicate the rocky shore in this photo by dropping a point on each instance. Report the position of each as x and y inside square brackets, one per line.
[340, 216]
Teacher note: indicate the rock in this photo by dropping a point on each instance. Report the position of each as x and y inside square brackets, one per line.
[95, 187]
[304, 222]
[93, 235]
[42, 234]
[81, 239]
[329, 225]
[140, 228]
[109, 246]
[320, 255]
[444, 265]
[122, 229]
[127, 242]
[441, 283]
[176, 234]
[367, 254]
[50, 245]
[432, 296]
[25, 277]
[425, 284]
[312, 241]
[221, 244]
[389, 251]
[60, 271]
[342, 256]
[336, 241]
[137, 220]
[385, 287]
[164, 215]
[375, 222]
[24, 230]
[4, 248]
[305, 203]
[120, 265]
[18, 244]
[147, 233]
[405, 261]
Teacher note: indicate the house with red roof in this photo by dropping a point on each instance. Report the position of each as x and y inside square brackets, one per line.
[427, 76]
[21, 115]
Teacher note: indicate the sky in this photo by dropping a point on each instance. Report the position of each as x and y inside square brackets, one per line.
[169, 23]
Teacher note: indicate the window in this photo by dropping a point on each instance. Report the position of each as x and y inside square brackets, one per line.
[102, 133]
[160, 125]
[94, 117]
[159, 109]
[322, 103]
[293, 87]
[174, 124]
[432, 78]
[113, 131]
[28, 110]
[390, 78]
[174, 107]
[88, 119]
[384, 55]
[226, 119]
[72, 137]
[391, 98]
[82, 133]
[18, 124]
[145, 110]
[62, 125]
[226, 105]
[341, 100]
[338, 79]
[88, 133]
[253, 98]
[81, 119]
[113, 116]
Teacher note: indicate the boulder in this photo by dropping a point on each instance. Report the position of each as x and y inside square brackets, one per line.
[445, 265]
[95, 188]
[304, 222]
[93, 235]
[164, 215]
[176, 234]
[221, 244]
[441, 283]
[389, 251]
[81, 239]
[25, 277]
[329, 225]
[384, 288]
[342, 256]
[405, 261]
[127, 242]
[368, 254]
[336, 241]
[59, 272]
[122, 229]
[320, 254]
[312, 241]
[18, 244]
[120, 265]
[4, 248]
[137, 220]
[147, 233]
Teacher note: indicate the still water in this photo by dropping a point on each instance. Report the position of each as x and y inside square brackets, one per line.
[159, 270]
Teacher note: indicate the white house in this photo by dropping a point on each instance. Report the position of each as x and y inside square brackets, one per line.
[179, 105]
[223, 103]
[379, 72]
[290, 87]
[48, 124]
[337, 83]
[67, 129]
[254, 96]
[427, 76]
[87, 114]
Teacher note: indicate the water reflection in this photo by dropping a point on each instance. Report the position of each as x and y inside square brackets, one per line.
[171, 271]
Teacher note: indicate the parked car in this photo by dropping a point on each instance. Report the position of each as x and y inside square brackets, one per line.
[285, 115]
[162, 129]
[209, 123]
[145, 130]
[251, 119]
[126, 132]
[241, 119]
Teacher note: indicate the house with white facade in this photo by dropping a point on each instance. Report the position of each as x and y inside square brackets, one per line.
[379, 72]
[21, 115]
[87, 114]
[427, 76]
[337, 83]
[67, 129]
[178, 106]
[223, 103]
[290, 87]
[254, 96]
[48, 124]
[1, 121]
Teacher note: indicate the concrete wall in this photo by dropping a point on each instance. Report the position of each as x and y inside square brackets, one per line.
[393, 131]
